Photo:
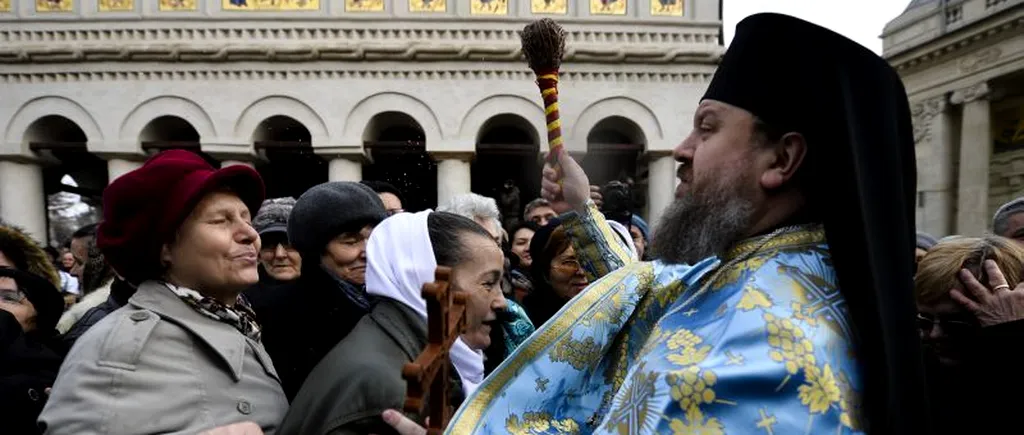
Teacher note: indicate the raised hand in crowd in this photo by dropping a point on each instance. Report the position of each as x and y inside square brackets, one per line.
[564, 184]
[992, 305]
[402, 424]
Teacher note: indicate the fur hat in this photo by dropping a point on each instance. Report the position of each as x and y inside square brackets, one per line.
[26, 254]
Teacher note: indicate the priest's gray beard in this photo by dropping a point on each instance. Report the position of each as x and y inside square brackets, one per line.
[702, 223]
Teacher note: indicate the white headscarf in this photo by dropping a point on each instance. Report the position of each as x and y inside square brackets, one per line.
[400, 261]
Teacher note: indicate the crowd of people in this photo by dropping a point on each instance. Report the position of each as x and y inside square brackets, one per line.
[779, 292]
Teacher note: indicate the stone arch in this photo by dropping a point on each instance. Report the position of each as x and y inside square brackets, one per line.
[37, 108]
[166, 105]
[361, 115]
[488, 108]
[625, 107]
[270, 106]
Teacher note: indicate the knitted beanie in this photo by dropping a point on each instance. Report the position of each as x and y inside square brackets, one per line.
[273, 215]
[329, 209]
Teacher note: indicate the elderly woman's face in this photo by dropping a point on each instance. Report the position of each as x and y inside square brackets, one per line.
[279, 259]
[345, 255]
[478, 275]
[216, 249]
[947, 329]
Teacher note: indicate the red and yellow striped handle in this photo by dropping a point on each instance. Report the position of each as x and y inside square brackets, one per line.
[548, 84]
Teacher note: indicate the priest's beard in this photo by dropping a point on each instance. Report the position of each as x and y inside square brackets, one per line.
[704, 222]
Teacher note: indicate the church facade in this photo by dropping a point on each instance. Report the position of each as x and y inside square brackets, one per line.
[962, 62]
[431, 95]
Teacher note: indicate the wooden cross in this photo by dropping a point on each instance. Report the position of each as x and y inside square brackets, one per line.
[428, 376]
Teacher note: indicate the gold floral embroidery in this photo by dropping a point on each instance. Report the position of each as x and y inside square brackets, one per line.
[535, 423]
[820, 392]
[849, 404]
[689, 350]
[696, 424]
[691, 387]
[580, 354]
[734, 273]
[789, 344]
[752, 299]
[805, 314]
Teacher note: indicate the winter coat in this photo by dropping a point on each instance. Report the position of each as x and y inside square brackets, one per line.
[27, 369]
[302, 320]
[157, 365]
[362, 376]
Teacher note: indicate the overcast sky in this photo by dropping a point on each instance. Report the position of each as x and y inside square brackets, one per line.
[859, 20]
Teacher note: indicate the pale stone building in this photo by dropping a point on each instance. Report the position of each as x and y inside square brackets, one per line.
[963, 65]
[432, 92]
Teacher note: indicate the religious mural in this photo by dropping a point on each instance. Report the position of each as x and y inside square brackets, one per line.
[55, 5]
[549, 6]
[270, 5]
[178, 5]
[364, 5]
[608, 7]
[488, 7]
[672, 8]
[428, 5]
[116, 5]
[5, 5]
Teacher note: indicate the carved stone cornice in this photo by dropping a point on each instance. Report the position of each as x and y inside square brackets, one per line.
[969, 94]
[408, 51]
[979, 59]
[522, 74]
[923, 113]
[950, 46]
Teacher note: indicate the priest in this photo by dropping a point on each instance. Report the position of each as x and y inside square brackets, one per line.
[780, 297]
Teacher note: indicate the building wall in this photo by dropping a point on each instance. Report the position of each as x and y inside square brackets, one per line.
[958, 61]
[225, 70]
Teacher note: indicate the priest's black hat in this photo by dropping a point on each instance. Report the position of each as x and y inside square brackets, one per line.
[859, 176]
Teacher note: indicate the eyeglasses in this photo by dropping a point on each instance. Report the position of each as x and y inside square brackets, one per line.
[13, 296]
[949, 326]
[568, 265]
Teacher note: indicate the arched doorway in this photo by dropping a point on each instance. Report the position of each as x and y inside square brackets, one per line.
[397, 147]
[171, 132]
[614, 147]
[73, 178]
[507, 149]
[291, 166]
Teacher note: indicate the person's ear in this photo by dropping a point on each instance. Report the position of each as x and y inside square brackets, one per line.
[786, 157]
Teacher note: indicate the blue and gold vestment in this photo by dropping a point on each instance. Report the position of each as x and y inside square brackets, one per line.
[757, 342]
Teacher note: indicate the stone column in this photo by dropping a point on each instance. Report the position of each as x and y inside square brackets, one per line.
[117, 167]
[935, 145]
[453, 174]
[22, 198]
[344, 163]
[661, 184]
[972, 216]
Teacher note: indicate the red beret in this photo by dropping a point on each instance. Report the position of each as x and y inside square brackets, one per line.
[143, 209]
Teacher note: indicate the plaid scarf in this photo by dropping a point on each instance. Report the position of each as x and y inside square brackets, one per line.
[239, 316]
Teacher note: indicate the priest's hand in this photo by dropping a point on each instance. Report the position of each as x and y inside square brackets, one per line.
[565, 185]
[992, 305]
[402, 424]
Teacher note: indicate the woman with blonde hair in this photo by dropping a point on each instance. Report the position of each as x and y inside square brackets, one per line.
[969, 338]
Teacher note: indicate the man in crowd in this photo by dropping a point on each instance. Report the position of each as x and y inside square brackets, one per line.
[784, 274]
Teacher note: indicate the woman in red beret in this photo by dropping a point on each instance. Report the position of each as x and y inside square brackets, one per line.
[184, 355]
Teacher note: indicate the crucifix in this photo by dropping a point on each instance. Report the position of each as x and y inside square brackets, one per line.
[427, 377]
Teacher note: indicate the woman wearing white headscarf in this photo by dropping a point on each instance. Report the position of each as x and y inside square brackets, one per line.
[362, 376]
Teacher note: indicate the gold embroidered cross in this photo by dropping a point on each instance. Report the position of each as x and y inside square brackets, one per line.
[767, 421]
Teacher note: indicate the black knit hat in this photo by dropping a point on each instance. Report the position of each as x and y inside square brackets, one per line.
[329, 209]
[45, 298]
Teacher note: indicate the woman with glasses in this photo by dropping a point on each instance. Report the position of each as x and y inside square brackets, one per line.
[556, 273]
[965, 352]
